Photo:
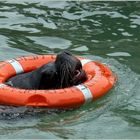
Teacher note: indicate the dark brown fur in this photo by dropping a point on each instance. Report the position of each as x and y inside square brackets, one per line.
[66, 71]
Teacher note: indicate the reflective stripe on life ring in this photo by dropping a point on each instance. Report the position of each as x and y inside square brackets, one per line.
[84, 61]
[2, 85]
[16, 65]
[86, 92]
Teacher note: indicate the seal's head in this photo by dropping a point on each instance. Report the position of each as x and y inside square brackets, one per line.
[69, 69]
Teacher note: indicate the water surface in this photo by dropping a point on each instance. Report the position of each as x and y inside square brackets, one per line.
[103, 31]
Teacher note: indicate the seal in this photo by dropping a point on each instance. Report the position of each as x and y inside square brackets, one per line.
[64, 72]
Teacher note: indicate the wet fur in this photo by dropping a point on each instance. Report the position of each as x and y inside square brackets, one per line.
[64, 72]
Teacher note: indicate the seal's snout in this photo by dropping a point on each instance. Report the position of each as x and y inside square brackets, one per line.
[69, 69]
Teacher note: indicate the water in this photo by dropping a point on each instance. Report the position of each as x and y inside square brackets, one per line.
[104, 31]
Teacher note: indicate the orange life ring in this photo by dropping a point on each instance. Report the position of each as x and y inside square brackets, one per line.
[100, 81]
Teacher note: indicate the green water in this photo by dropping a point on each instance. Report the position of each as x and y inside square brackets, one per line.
[108, 32]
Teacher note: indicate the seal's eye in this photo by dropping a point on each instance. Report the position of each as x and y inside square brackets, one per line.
[77, 73]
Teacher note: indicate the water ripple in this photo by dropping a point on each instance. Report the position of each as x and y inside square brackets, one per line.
[103, 31]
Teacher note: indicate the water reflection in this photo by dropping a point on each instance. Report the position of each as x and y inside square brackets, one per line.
[51, 42]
